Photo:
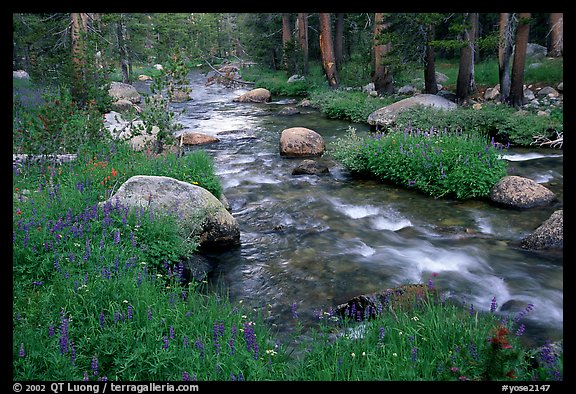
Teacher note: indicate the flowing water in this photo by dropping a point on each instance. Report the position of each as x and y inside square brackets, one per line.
[316, 241]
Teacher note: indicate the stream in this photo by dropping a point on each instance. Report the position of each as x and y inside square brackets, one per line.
[312, 242]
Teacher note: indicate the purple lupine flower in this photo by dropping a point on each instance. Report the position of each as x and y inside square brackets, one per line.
[94, 365]
[72, 353]
[102, 319]
[63, 333]
[85, 378]
[116, 317]
[185, 376]
[200, 346]
[255, 349]
[523, 313]
[139, 279]
[165, 340]
[149, 313]
[51, 330]
[249, 336]
[132, 239]
[38, 283]
[414, 354]
[117, 237]
[430, 284]
[493, 305]
[381, 333]
[474, 352]
[185, 342]
[130, 311]
[520, 330]
[171, 332]
[471, 310]
[22, 352]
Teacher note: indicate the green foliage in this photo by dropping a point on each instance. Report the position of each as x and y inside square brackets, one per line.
[435, 162]
[55, 125]
[500, 121]
[350, 105]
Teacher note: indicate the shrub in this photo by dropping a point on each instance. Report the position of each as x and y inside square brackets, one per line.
[503, 122]
[437, 163]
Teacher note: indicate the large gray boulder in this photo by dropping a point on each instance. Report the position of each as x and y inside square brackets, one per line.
[519, 192]
[300, 141]
[549, 235]
[386, 116]
[119, 91]
[199, 212]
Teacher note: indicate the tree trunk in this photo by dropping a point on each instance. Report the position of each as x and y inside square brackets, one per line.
[430, 85]
[121, 37]
[505, 45]
[79, 27]
[517, 84]
[556, 34]
[381, 74]
[339, 40]
[303, 39]
[465, 81]
[287, 44]
[327, 50]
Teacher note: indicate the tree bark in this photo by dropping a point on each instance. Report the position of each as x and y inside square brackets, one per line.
[339, 40]
[121, 37]
[303, 39]
[505, 45]
[556, 34]
[465, 82]
[381, 74]
[287, 44]
[327, 51]
[79, 27]
[430, 85]
[517, 84]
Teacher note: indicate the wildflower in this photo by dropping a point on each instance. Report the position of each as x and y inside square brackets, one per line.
[94, 365]
[493, 305]
[165, 345]
[395, 354]
[102, 319]
[185, 376]
[22, 352]
[129, 311]
[353, 354]
[149, 313]
[382, 333]
[520, 330]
